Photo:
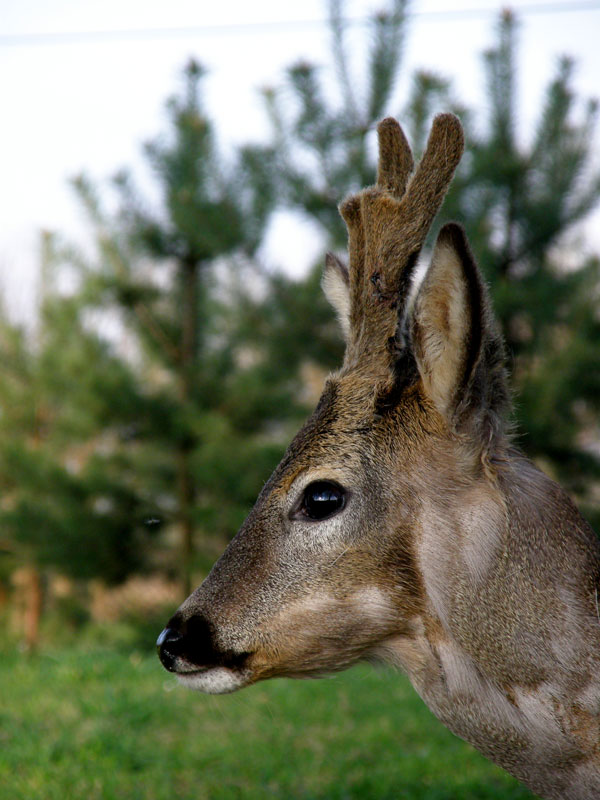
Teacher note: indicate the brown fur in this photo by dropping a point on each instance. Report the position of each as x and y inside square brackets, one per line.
[453, 556]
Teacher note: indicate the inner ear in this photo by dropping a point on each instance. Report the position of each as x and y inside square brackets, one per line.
[446, 323]
[336, 285]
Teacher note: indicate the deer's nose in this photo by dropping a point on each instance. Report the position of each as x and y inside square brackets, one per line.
[186, 645]
[190, 645]
[169, 645]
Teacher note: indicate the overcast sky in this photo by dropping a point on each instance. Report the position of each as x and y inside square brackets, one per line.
[84, 85]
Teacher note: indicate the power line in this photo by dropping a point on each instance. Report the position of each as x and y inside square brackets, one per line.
[230, 29]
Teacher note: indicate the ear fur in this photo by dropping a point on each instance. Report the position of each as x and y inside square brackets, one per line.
[336, 285]
[456, 343]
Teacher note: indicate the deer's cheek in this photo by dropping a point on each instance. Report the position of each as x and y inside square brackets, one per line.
[322, 632]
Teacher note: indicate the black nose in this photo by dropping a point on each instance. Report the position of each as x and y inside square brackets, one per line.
[190, 644]
[169, 645]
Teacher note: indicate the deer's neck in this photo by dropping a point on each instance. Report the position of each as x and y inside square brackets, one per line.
[527, 731]
[504, 655]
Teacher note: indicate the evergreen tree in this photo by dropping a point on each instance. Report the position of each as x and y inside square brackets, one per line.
[138, 408]
[204, 424]
[68, 498]
[520, 203]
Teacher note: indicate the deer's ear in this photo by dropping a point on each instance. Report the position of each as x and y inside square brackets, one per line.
[457, 347]
[336, 285]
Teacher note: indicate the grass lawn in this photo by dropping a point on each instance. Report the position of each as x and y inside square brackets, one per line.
[88, 723]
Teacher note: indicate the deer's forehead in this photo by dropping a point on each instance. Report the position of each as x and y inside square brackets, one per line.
[346, 436]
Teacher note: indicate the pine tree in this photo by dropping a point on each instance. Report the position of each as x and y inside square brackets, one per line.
[69, 501]
[520, 203]
[196, 424]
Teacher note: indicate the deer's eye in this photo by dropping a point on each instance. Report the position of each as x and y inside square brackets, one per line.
[322, 499]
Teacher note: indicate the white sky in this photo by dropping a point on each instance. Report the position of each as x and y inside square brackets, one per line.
[90, 102]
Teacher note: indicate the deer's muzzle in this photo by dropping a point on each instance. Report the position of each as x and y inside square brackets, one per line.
[188, 648]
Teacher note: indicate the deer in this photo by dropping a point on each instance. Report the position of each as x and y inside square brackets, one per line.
[402, 524]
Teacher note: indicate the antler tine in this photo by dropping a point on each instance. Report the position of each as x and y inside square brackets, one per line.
[395, 158]
[432, 177]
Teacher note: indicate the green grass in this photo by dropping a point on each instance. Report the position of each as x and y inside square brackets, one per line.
[95, 723]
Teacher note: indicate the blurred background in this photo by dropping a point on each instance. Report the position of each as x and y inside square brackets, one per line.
[171, 174]
[171, 181]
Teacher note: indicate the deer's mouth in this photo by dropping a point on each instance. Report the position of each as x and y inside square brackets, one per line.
[214, 680]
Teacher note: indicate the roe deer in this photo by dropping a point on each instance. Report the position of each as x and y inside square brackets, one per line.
[402, 525]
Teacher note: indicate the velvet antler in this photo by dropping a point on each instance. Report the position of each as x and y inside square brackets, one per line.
[387, 226]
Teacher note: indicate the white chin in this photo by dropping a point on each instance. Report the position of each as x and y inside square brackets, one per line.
[218, 680]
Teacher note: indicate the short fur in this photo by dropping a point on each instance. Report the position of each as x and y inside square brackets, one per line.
[453, 556]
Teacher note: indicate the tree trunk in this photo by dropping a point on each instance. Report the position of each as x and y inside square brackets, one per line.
[33, 608]
[186, 492]
[185, 481]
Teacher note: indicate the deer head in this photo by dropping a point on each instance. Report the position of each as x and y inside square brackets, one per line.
[385, 531]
